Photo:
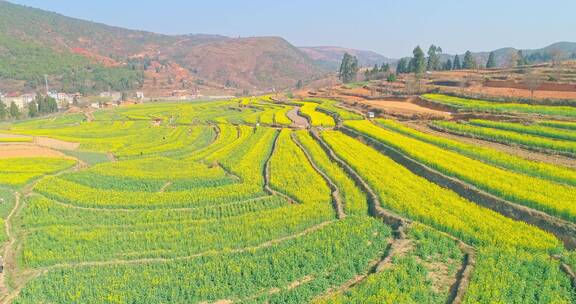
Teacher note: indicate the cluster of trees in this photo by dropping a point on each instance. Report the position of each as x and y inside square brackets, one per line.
[419, 63]
[42, 105]
[349, 68]
[518, 59]
[9, 112]
[380, 72]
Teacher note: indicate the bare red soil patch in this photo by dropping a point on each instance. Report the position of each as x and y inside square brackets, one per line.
[26, 150]
[404, 108]
[55, 143]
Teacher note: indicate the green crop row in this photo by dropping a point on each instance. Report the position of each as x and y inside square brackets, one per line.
[414, 277]
[526, 129]
[316, 118]
[408, 194]
[509, 137]
[492, 156]
[19, 171]
[319, 260]
[42, 212]
[556, 199]
[558, 124]
[494, 107]
[354, 199]
[15, 139]
[499, 239]
[331, 106]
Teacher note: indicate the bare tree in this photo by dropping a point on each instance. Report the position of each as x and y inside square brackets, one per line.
[465, 82]
[412, 85]
[533, 82]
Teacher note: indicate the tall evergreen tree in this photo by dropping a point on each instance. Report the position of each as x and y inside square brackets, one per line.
[353, 68]
[385, 68]
[433, 58]
[521, 60]
[51, 105]
[299, 84]
[375, 70]
[402, 66]
[348, 68]
[448, 65]
[367, 74]
[41, 104]
[491, 61]
[14, 112]
[456, 65]
[3, 110]
[32, 109]
[469, 61]
[418, 65]
[411, 65]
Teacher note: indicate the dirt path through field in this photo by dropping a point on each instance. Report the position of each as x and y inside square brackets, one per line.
[111, 157]
[297, 120]
[89, 115]
[166, 185]
[8, 253]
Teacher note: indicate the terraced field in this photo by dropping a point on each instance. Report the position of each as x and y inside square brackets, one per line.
[475, 105]
[226, 202]
[510, 133]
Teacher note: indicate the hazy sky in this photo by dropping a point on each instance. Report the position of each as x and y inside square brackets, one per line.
[390, 27]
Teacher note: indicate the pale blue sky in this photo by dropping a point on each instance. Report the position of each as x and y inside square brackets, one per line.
[390, 27]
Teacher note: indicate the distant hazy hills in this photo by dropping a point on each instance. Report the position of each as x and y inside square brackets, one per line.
[330, 57]
[562, 49]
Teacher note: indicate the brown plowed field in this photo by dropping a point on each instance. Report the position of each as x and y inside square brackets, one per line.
[404, 108]
[26, 150]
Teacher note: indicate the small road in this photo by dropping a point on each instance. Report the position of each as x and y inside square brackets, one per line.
[297, 120]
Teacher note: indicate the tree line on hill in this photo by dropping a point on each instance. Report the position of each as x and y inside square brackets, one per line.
[421, 62]
[349, 70]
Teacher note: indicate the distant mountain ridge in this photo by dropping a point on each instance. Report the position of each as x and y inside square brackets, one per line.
[85, 56]
[52, 40]
[330, 57]
[502, 56]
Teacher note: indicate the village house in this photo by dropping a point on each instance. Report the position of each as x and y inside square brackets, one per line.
[21, 101]
[114, 96]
